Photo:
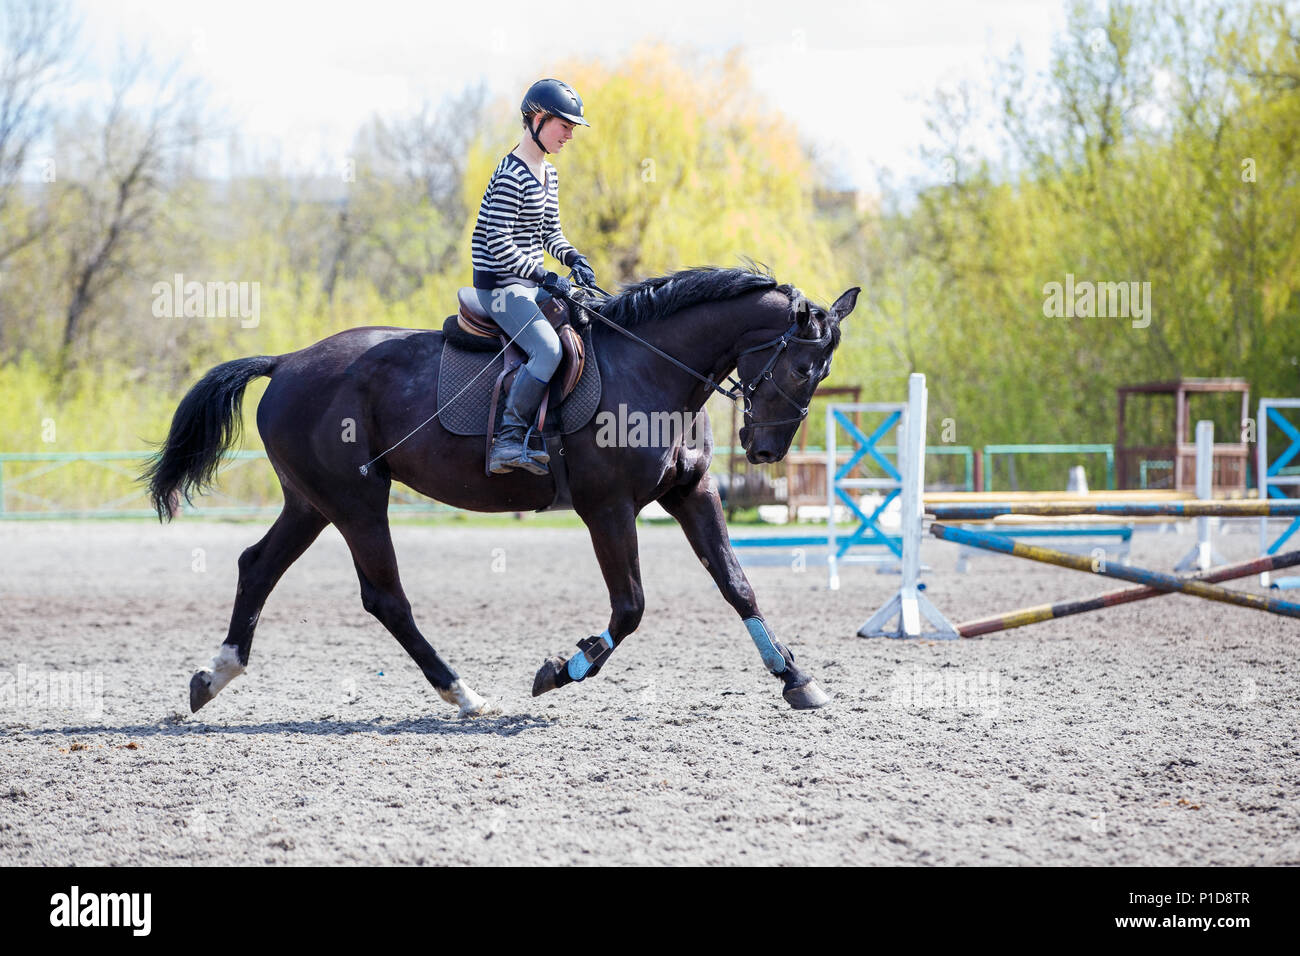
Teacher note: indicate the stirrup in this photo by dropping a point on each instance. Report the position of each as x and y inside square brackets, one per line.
[523, 463]
[541, 457]
[525, 459]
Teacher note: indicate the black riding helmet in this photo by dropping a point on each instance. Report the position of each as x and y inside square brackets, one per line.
[551, 98]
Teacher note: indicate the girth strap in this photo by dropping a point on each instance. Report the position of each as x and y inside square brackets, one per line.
[559, 471]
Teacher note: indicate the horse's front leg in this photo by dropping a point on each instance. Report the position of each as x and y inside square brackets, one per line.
[613, 535]
[698, 510]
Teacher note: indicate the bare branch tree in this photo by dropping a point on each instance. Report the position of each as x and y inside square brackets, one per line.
[405, 218]
[134, 162]
[36, 38]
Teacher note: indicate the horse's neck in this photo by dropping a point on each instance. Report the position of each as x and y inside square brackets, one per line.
[703, 337]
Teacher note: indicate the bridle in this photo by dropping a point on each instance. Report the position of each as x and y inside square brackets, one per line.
[781, 342]
[738, 390]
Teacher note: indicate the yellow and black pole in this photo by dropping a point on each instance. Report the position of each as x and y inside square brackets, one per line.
[1154, 579]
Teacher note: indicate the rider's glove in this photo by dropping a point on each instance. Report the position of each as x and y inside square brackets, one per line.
[582, 271]
[556, 285]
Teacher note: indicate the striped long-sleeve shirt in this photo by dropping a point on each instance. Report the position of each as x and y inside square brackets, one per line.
[517, 219]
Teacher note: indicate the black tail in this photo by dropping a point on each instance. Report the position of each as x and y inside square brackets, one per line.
[207, 422]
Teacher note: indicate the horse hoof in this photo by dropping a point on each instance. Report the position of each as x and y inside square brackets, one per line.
[548, 676]
[200, 691]
[485, 709]
[807, 696]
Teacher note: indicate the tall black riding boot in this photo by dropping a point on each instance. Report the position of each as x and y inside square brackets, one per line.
[510, 447]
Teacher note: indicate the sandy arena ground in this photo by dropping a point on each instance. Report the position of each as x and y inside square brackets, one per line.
[1161, 732]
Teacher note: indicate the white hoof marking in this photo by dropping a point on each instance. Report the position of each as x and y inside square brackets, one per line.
[463, 696]
[224, 668]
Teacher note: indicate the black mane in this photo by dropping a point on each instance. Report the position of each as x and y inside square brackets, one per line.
[660, 296]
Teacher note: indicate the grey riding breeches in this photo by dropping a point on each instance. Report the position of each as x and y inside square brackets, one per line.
[514, 308]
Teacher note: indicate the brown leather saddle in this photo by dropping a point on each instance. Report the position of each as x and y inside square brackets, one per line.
[472, 319]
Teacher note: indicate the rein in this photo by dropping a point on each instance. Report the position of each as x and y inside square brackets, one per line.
[738, 390]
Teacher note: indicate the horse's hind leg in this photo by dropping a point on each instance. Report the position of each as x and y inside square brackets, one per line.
[371, 544]
[260, 568]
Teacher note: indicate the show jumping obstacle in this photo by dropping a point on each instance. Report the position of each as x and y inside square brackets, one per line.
[909, 604]
[1278, 478]
[840, 479]
[1120, 509]
[1154, 579]
[1202, 557]
[1048, 612]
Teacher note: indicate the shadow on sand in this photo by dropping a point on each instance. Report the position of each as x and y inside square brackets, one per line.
[179, 725]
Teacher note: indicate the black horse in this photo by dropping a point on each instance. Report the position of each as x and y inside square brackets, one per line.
[712, 321]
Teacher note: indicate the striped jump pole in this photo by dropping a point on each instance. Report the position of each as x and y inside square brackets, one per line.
[1117, 509]
[1154, 579]
[1048, 612]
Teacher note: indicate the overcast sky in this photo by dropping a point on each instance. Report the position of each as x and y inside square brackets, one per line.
[298, 79]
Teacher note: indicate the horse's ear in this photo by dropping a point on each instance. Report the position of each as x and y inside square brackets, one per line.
[845, 303]
[802, 310]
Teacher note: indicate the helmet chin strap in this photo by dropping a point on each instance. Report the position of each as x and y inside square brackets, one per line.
[534, 132]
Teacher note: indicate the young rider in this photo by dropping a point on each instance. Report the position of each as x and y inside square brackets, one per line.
[518, 218]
